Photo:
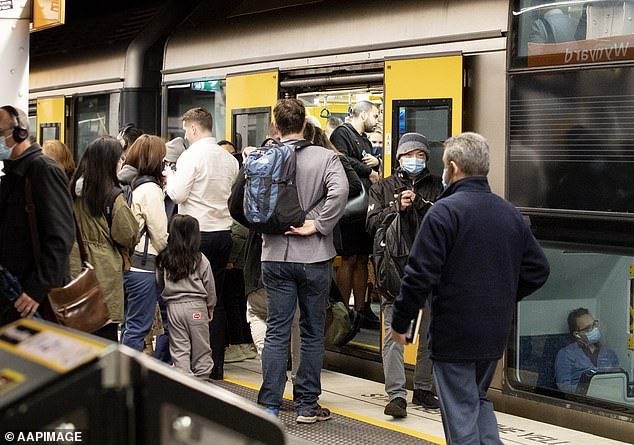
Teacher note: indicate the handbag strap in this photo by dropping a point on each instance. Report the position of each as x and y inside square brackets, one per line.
[30, 212]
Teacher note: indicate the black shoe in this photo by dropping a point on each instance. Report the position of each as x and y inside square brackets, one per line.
[426, 399]
[370, 320]
[216, 374]
[397, 408]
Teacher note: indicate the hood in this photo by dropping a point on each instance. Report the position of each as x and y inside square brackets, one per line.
[127, 174]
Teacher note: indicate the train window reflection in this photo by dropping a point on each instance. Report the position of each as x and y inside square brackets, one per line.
[92, 117]
[250, 126]
[560, 348]
[207, 94]
[553, 32]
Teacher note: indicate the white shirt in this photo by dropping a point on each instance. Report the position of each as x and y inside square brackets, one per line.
[202, 184]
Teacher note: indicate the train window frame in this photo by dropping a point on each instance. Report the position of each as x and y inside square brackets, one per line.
[446, 104]
[248, 112]
[81, 143]
[544, 332]
[526, 18]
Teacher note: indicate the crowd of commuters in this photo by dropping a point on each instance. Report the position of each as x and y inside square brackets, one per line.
[157, 222]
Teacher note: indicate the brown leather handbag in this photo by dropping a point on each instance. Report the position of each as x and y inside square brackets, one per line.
[80, 304]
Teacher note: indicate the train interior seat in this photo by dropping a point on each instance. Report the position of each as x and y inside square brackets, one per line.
[537, 355]
[608, 384]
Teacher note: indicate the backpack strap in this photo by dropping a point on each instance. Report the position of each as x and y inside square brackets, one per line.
[108, 209]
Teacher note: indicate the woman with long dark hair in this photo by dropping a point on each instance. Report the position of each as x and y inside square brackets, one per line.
[105, 221]
[145, 158]
[190, 293]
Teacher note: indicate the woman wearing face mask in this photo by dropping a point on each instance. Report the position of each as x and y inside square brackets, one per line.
[586, 353]
[410, 192]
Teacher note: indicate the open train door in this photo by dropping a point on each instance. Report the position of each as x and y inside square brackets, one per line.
[50, 119]
[422, 95]
[250, 101]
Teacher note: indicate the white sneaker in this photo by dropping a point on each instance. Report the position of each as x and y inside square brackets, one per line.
[233, 354]
[248, 349]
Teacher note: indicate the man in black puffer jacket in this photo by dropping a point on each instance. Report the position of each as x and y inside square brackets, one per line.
[475, 254]
[409, 192]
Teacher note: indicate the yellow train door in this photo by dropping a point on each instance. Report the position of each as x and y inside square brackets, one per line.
[250, 101]
[422, 95]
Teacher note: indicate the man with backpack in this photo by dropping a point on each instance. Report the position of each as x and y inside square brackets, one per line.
[294, 264]
[396, 208]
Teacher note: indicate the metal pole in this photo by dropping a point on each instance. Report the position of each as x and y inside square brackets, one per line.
[15, 16]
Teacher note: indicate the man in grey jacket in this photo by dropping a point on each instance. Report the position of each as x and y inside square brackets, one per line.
[294, 268]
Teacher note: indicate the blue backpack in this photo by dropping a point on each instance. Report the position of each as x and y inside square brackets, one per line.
[271, 203]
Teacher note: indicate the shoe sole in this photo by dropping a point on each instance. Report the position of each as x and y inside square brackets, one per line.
[306, 419]
[396, 414]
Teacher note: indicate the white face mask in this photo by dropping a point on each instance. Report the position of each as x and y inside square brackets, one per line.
[5, 152]
[444, 178]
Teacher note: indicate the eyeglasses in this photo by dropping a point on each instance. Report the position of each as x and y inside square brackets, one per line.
[587, 329]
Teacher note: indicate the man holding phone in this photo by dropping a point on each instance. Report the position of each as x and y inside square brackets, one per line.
[406, 195]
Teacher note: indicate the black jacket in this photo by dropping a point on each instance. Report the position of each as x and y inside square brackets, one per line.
[475, 254]
[382, 201]
[352, 144]
[55, 224]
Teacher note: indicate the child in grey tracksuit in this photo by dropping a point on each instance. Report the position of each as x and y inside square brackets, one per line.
[185, 275]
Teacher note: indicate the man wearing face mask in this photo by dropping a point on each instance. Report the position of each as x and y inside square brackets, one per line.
[409, 191]
[585, 353]
[37, 269]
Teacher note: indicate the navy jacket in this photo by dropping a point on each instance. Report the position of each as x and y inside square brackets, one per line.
[477, 257]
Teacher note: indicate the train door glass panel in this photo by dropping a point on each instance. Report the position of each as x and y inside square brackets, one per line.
[545, 357]
[571, 33]
[250, 126]
[209, 95]
[430, 117]
[92, 120]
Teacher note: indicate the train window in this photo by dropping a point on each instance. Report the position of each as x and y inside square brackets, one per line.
[92, 120]
[250, 126]
[206, 94]
[549, 32]
[585, 364]
[431, 117]
[570, 137]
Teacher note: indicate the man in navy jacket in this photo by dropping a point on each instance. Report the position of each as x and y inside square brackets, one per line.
[476, 257]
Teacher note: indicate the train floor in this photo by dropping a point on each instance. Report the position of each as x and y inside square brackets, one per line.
[357, 408]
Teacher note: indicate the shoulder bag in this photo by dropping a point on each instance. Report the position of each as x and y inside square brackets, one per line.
[356, 208]
[80, 304]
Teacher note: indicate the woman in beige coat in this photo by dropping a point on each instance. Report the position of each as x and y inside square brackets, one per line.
[106, 223]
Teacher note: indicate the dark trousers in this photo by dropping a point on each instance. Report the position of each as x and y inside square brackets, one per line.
[235, 302]
[216, 246]
[467, 413]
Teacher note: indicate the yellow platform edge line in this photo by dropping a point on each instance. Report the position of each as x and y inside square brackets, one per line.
[352, 415]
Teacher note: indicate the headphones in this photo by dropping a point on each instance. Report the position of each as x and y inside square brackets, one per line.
[20, 132]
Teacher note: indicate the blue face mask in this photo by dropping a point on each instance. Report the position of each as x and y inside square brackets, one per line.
[5, 152]
[413, 166]
[593, 336]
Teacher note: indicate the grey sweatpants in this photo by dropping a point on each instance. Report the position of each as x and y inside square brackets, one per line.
[189, 337]
[393, 363]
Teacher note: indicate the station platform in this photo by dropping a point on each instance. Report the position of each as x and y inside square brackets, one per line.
[357, 415]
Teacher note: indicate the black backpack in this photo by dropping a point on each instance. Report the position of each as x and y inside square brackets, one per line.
[389, 254]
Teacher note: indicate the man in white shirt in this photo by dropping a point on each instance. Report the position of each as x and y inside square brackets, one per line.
[201, 186]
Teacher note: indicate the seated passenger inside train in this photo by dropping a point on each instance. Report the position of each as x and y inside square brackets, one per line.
[554, 25]
[585, 353]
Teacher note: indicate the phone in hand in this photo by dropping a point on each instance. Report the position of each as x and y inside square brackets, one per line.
[414, 326]
[400, 190]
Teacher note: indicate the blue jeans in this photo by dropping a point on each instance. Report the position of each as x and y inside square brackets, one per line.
[288, 284]
[141, 296]
[162, 348]
[467, 414]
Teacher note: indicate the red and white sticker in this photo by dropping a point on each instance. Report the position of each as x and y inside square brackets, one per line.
[197, 316]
